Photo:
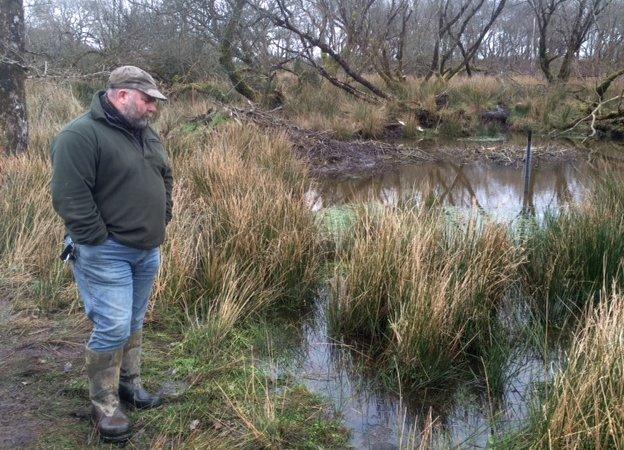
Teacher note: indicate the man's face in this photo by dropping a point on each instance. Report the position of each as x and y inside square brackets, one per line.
[137, 107]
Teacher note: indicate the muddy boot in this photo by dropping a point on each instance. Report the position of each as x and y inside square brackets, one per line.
[130, 388]
[103, 373]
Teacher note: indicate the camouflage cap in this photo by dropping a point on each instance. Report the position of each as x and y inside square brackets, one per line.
[131, 77]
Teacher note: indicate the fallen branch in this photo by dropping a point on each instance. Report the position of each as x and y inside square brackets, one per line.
[593, 115]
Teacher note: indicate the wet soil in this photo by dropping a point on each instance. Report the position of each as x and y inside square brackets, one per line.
[40, 360]
[334, 159]
[337, 159]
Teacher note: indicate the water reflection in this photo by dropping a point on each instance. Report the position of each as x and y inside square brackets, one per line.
[463, 416]
[494, 189]
[458, 416]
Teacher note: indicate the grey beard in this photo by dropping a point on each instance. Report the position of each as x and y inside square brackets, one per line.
[130, 114]
[135, 123]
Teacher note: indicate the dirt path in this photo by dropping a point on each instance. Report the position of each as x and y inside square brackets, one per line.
[41, 387]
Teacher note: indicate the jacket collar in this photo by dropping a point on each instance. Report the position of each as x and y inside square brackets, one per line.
[97, 112]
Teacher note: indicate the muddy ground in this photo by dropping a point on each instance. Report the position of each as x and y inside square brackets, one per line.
[42, 394]
[44, 398]
[338, 159]
[351, 159]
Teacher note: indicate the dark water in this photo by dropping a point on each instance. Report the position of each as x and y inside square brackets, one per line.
[468, 418]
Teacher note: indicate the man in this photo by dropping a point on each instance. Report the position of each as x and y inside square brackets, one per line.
[111, 185]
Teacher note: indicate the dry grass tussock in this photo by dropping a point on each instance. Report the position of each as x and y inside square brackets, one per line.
[423, 293]
[585, 405]
[242, 239]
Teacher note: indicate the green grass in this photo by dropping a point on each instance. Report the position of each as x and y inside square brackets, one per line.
[421, 294]
[573, 254]
[234, 399]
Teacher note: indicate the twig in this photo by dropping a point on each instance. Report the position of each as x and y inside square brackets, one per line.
[594, 116]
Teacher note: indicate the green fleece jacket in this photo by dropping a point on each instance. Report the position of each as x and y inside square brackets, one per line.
[105, 183]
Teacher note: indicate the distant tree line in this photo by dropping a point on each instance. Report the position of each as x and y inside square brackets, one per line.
[190, 39]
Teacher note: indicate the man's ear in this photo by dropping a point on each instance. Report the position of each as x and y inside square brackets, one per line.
[122, 95]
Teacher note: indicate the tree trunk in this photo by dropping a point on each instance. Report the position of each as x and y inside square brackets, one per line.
[13, 118]
[544, 59]
[566, 68]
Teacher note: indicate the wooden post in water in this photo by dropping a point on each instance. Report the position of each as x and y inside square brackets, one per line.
[527, 174]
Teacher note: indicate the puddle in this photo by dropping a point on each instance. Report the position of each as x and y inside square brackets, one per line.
[381, 420]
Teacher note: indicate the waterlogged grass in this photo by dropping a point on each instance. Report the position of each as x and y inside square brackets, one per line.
[422, 294]
[583, 407]
[233, 402]
[575, 253]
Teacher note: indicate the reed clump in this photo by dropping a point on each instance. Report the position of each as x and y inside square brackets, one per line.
[583, 408]
[243, 239]
[573, 254]
[422, 294]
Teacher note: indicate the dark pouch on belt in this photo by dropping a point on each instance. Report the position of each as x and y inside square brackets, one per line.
[68, 253]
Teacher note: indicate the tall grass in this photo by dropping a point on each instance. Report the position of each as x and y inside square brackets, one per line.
[422, 293]
[573, 254]
[30, 237]
[51, 105]
[584, 406]
[242, 239]
[30, 234]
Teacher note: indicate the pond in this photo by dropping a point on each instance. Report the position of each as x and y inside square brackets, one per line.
[466, 417]
[494, 189]
[462, 417]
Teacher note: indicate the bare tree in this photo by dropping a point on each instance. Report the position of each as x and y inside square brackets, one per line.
[564, 38]
[13, 117]
[584, 13]
[344, 41]
[453, 23]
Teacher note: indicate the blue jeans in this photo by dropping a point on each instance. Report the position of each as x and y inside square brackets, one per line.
[115, 282]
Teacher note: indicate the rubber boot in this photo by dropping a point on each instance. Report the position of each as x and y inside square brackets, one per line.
[103, 372]
[130, 388]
